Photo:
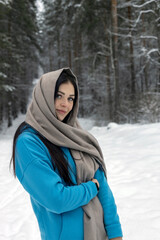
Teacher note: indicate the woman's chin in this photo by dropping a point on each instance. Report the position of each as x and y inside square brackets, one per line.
[61, 118]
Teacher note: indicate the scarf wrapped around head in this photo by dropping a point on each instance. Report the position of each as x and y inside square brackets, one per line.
[83, 146]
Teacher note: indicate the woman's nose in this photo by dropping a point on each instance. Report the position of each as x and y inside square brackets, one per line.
[64, 102]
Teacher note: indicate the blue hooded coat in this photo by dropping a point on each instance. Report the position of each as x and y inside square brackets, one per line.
[58, 207]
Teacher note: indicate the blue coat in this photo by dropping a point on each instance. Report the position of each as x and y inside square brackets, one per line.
[58, 207]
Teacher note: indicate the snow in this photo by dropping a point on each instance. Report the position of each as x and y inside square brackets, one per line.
[40, 5]
[8, 88]
[144, 4]
[2, 75]
[5, 1]
[141, 13]
[132, 156]
[151, 37]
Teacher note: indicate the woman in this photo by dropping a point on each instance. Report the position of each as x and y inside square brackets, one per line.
[61, 166]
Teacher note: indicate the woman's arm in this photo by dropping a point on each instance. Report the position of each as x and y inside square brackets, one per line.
[111, 218]
[35, 172]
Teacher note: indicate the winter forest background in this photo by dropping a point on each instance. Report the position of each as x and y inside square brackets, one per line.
[112, 46]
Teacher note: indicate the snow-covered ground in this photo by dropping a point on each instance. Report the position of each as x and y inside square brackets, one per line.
[132, 156]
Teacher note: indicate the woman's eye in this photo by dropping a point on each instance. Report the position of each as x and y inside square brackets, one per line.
[71, 99]
[58, 96]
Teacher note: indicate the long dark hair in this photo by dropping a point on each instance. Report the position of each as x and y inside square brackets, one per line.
[58, 159]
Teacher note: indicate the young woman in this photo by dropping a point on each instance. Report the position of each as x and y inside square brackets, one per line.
[61, 166]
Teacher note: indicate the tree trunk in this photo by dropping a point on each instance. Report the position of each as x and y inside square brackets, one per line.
[109, 94]
[69, 53]
[58, 50]
[115, 58]
[50, 47]
[144, 58]
[9, 112]
[133, 88]
[77, 42]
[1, 107]
[68, 48]
[75, 51]
[8, 93]
[108, 79]
[158, 44]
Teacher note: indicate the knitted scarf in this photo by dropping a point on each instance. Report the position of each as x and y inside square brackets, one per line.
[83, 146]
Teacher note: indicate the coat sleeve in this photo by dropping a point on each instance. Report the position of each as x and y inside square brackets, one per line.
[111, 218]
[34, 171]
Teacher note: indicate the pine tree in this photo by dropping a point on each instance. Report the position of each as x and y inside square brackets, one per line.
[19, 62]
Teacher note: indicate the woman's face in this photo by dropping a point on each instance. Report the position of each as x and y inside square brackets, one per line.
[64, 100]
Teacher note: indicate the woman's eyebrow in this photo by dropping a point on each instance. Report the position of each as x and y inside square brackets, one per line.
[64, 93]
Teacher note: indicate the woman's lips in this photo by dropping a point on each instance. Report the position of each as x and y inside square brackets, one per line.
[61, 111]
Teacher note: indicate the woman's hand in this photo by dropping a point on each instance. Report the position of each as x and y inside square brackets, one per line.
[95, 181]
[118, 238]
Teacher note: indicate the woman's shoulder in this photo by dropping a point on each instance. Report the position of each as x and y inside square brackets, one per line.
[29, 137]
[28, 130]
[30, 149]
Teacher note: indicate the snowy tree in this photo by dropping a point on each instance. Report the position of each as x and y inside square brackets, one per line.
[112, 46]
[19, 61]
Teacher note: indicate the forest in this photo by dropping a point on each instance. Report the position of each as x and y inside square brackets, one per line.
[113, 47]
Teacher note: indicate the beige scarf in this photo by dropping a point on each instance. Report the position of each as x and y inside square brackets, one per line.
[84, 147]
